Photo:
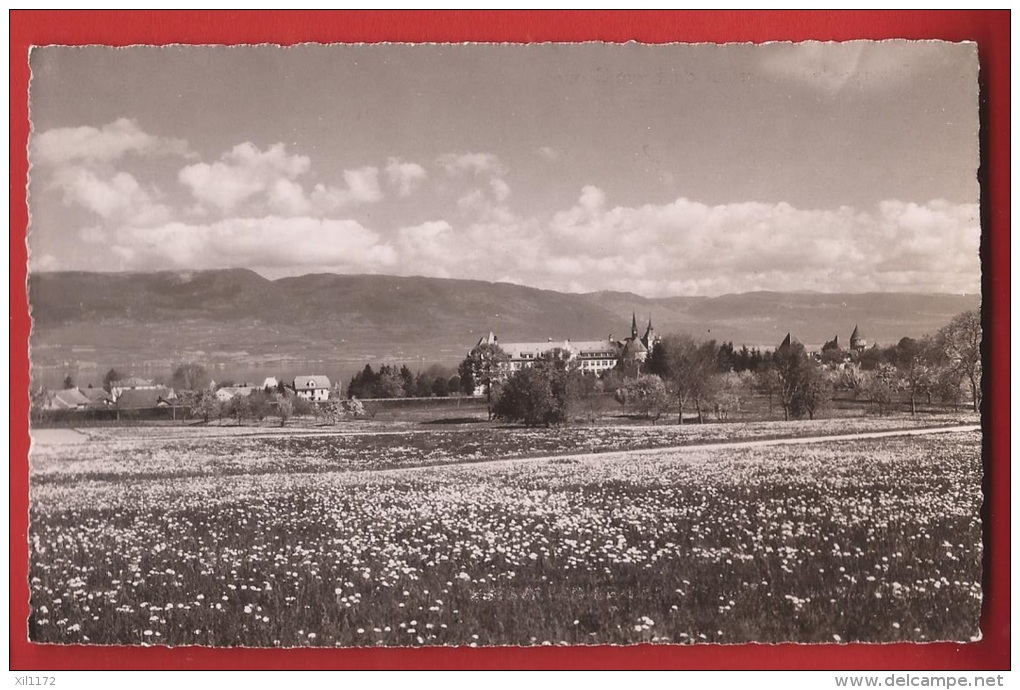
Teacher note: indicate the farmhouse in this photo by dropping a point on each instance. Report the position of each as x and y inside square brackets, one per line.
[313, 388]
[227, 393]
[146, 398]
[98, 398]
[132, 383]
[67, 399]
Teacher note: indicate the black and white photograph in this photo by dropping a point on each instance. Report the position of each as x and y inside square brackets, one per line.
[489, 345]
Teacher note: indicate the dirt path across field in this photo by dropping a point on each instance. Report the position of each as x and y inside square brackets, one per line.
[696, 447]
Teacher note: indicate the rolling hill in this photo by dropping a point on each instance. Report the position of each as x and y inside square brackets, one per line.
[237, 315]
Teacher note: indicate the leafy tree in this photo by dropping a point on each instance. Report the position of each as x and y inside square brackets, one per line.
[207, 406]
[389, 384]
[406, 382]
[916, 362]
[585, 396]
[852, 379]
[647, 394]
[799, 383]
[832, 356]
[766, 381]
[260, 404]
[239, 407]
[733, 389]
[527, 397]
[688, 367]
[440, 387]
[961, 342]
[284, 409]
[189, 376]
[68, 382]
[109, 378]
[881, 386]
[813, 390]
[484, 366]
[301, 406]
[363, 383]
[453, 384]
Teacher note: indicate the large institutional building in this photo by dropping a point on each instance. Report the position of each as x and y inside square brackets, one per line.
[595, 356]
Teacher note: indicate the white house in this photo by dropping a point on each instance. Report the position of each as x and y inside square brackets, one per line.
[229, 392]
[312, 387]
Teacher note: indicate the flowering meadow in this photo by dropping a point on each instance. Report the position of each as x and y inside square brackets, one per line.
[836, 541]
[115, 453]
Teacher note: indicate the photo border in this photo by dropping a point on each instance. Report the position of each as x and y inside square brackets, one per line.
[989, 28]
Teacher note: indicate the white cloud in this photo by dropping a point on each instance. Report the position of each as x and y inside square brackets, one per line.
[476, 163]
[114, 196]
[362, 188]
[43, 262]
[406, 177]
[363, 185]
[64, 145]
[690, 247]
[242, 173]
[549, 153]
[830, 67]
[271, 242]
[92, 235]
[500, 189]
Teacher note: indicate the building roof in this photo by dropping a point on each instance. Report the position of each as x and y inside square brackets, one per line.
[311, 382]
[69, 398]
[132, 382]
[788, 341]
[584, 346]
[856, 336]
[96, 394]
[237, 390]
[632, 347]
[516, 350]
[143, 398]
[270, 382]
[489, 339]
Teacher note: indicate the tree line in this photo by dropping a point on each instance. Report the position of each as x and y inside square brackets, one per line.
[701, 377]
[391, 381]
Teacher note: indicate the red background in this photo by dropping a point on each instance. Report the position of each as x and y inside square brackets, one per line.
[990, 29]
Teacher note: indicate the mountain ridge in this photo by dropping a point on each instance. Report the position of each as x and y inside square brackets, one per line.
[237, 313]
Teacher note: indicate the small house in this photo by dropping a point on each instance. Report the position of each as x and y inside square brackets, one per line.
[312, 388]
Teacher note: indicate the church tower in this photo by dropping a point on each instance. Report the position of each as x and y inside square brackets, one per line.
[649, 339]
[633, 326]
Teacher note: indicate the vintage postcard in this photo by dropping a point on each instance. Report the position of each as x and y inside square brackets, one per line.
[505, 345]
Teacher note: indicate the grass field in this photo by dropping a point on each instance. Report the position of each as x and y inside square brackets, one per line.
[876, 540]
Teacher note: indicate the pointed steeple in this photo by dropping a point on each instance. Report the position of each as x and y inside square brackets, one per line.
[633, 325]
[649, 339]
[787, 341]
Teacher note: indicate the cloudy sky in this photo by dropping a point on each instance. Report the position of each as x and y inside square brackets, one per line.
[661, 170]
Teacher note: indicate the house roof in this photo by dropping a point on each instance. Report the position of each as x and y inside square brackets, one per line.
[237, 390]
[69, 397]
[788, 341]
[96, 394]
[132, 382]
[143, 398]
[489, 339]
[311, 382]
[583, 346]
[517, 350]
